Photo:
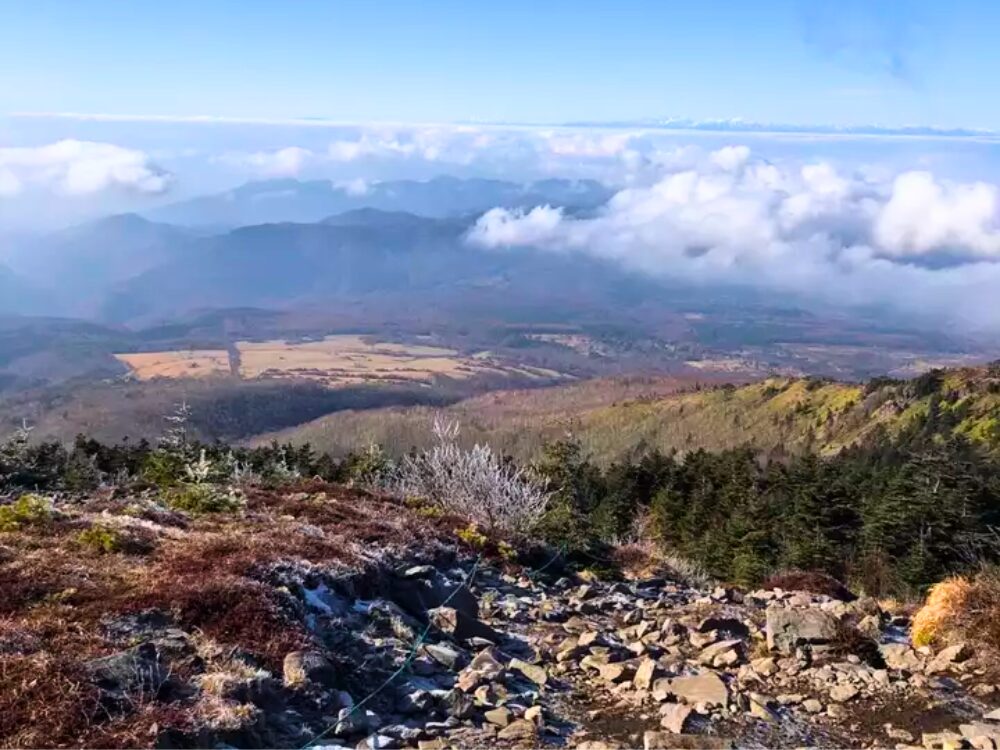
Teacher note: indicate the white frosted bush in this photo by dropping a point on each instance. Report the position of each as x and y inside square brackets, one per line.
[475, 483]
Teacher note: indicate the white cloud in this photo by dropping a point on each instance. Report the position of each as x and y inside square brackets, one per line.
[804, 229]
[730, 158]
[589, 144]
[499, 226]
[283, 162]
[9, 184]
[925, 215]
[450, 144]
[73, 167]
[356, 187]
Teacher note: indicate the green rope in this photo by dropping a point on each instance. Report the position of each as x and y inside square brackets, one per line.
[418, 643]
[562, 551]
[402, 667]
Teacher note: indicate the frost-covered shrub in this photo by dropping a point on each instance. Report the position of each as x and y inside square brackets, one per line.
[476, 483]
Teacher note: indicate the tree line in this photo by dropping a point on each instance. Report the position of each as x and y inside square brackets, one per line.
[889, 516]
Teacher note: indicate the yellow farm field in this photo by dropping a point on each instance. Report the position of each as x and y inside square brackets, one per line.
[335, 361]
[350, 360]
[192, 363]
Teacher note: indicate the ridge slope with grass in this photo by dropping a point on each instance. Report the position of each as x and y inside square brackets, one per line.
[623, 417]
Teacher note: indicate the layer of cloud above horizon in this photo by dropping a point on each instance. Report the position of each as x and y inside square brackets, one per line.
[72, 167]
[923, 245]
[903, 234]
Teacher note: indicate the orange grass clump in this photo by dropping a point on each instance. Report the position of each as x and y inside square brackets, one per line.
[961, 609]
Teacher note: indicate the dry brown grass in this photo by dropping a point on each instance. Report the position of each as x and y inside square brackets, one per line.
[645, 558]
[209, 574]
[515, 422]
[336, 361]
[635, 560]
[352, 360]
[961, 609]
[192, 363]
[45, 700]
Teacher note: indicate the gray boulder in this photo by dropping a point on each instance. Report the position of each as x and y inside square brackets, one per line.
[460, 626]
[304, 667]
[420, 594]
[788, 628]
[127, 676]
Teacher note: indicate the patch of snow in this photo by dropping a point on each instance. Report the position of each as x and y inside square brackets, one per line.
[321, 599]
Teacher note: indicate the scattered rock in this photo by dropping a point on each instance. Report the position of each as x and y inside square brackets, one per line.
[942, 740]
[766, 666]
[728, 625]
[521, 729]
[123, 677]
[487, 663]
[458, 704]
[900, 735]
[674, 717]
[617, 672]
[459, 625]
[304, 667]
[978, 729]
[534, 713]
[844, 693]
[624, 648]
[668, 741]
[533, 672]
[501, 716]
[870, 626]
[812, 705]
[788, 628]
[760, 706]
[949, 656]
[706, 687]
[444, 655]
[417, 702]
[644, 674]
[900, 656]
[722, 654]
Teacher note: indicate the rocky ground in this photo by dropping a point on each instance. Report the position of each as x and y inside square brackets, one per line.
[657, 664]
[384, 641]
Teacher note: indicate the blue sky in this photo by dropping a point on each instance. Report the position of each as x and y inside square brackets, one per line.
[850, 62]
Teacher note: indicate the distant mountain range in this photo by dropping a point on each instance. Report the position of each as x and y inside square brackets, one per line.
[17, 294]
[77, 267]
[390, 260]
[282, 243]
[740, 125]
[274, 201]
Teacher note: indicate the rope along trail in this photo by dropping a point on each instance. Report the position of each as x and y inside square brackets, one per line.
[402, 667]
[420, 640]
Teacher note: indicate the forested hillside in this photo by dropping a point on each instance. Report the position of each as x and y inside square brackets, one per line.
[618, 418]
[889, 485]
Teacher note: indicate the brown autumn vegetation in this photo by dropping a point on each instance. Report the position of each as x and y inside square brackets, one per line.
[60, 600]
[961, 609]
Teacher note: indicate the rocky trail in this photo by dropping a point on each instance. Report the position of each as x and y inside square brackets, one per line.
[467, 655]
